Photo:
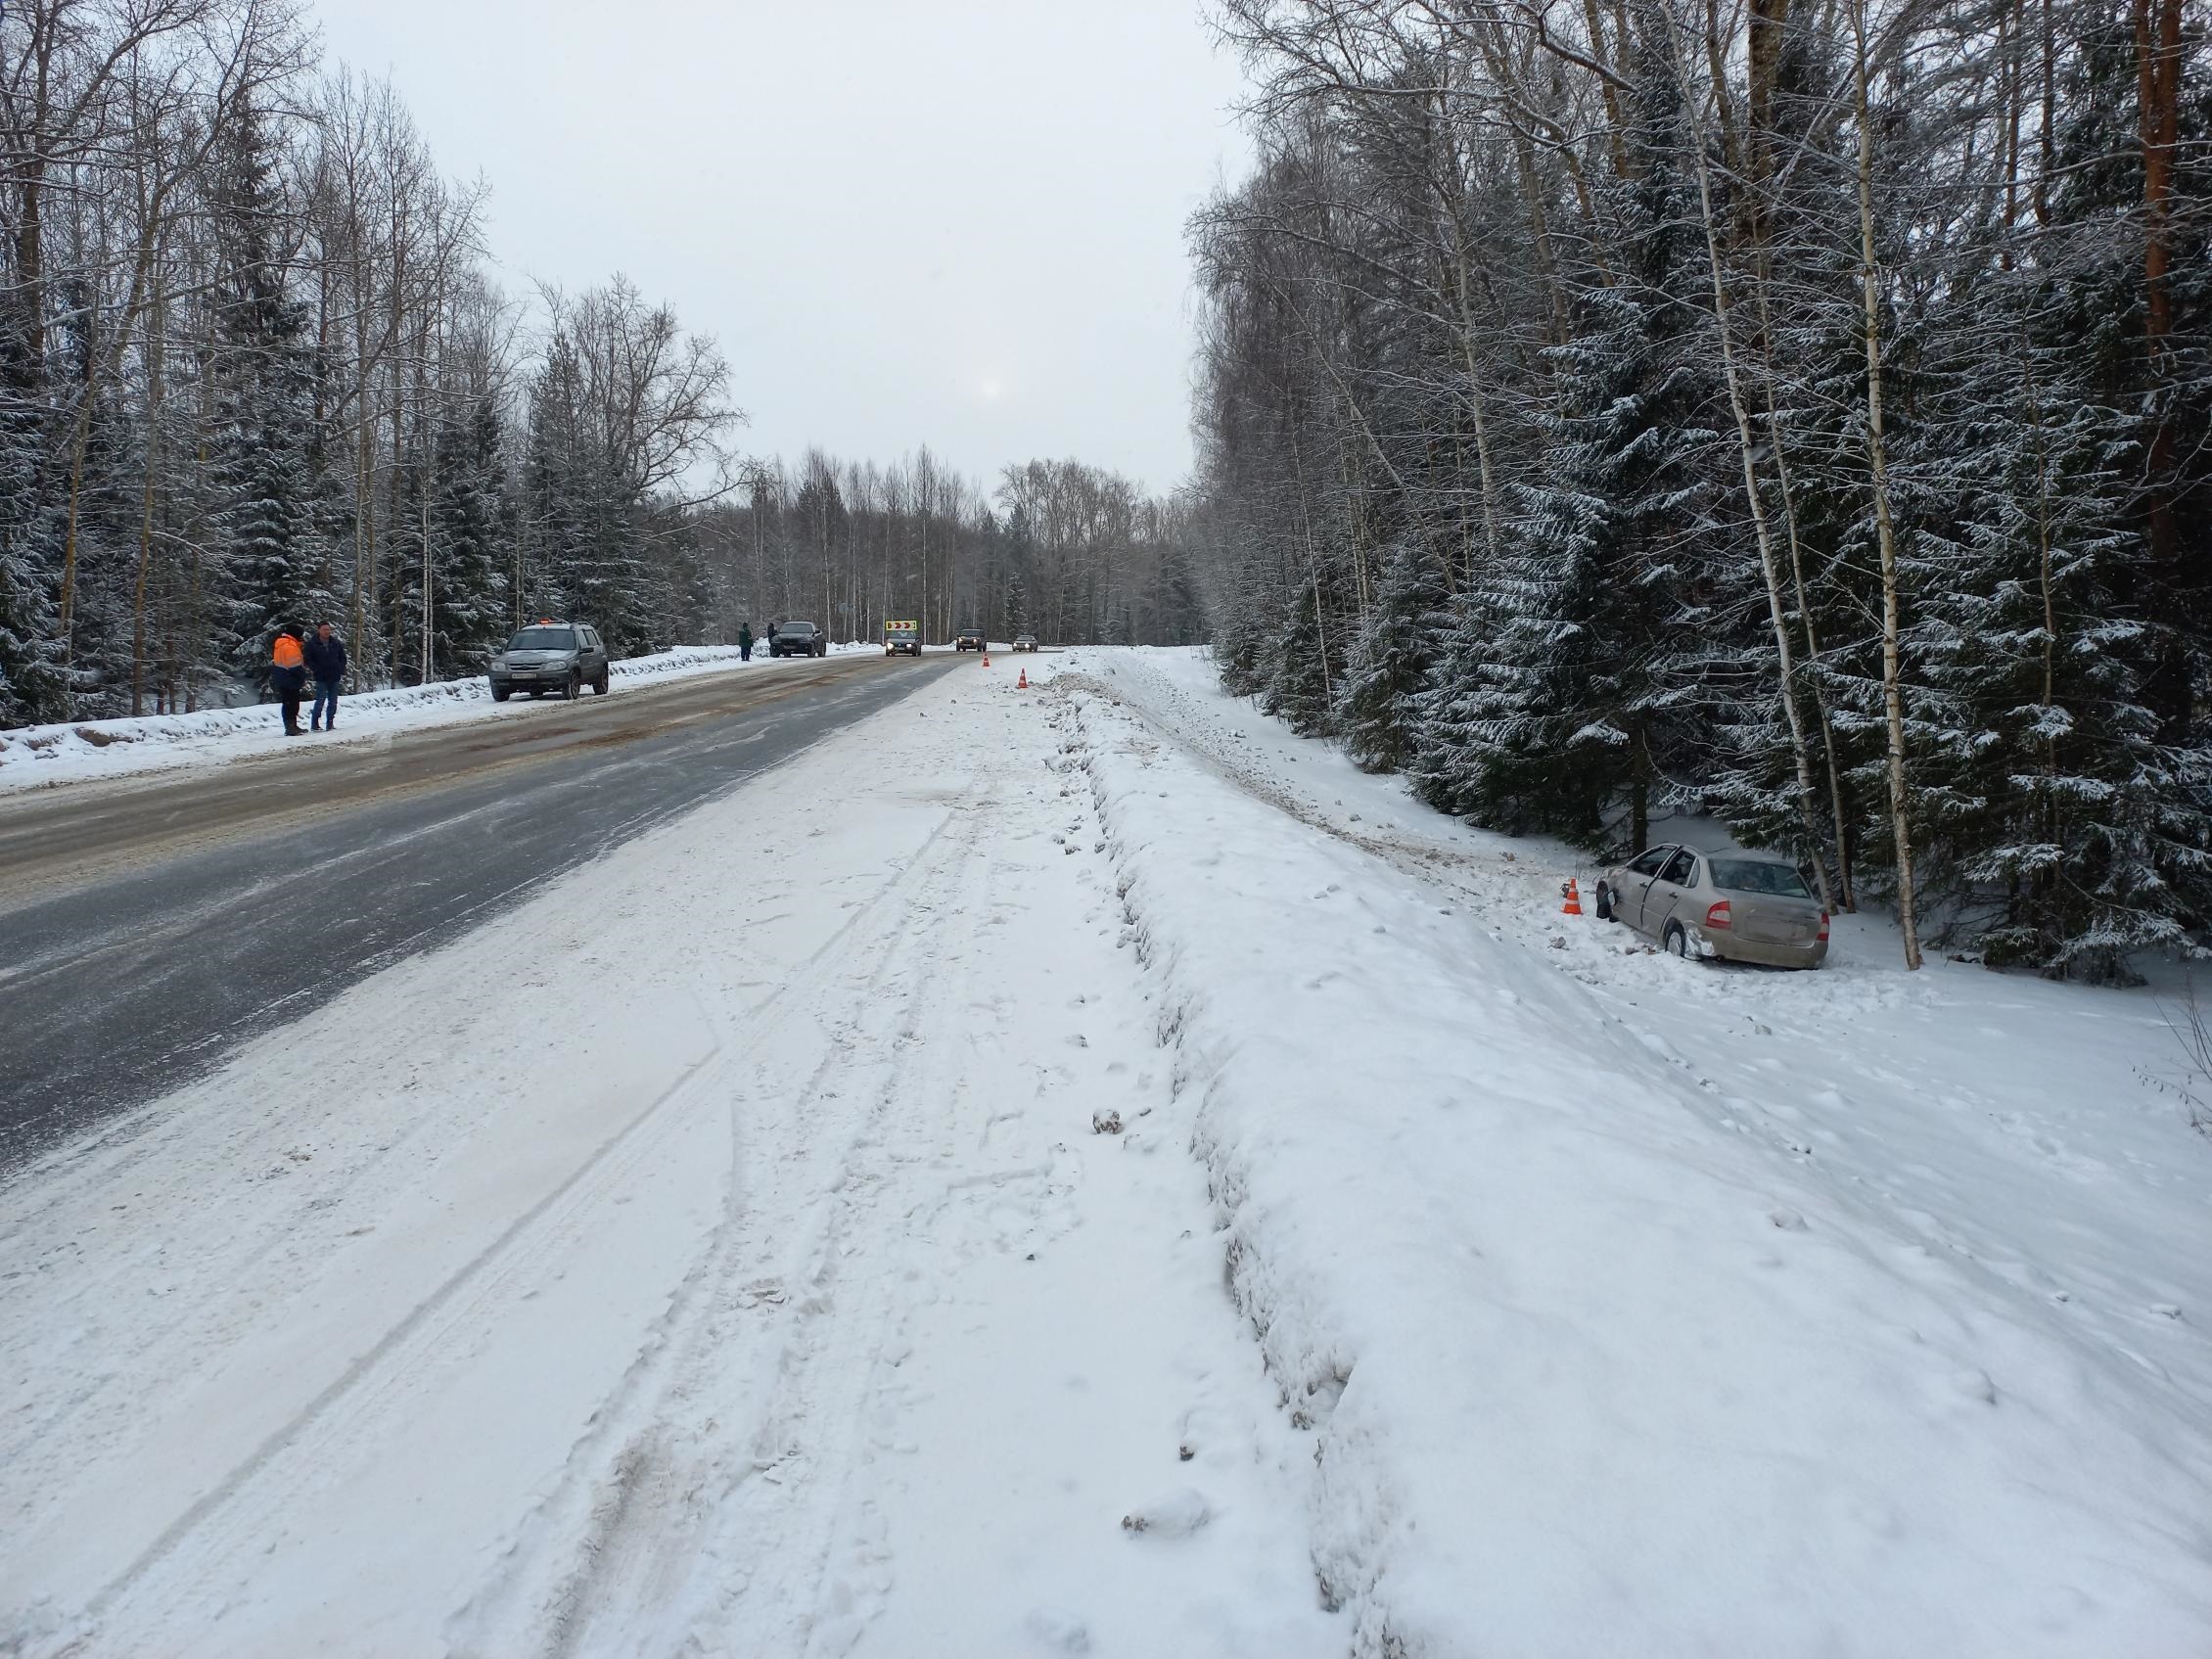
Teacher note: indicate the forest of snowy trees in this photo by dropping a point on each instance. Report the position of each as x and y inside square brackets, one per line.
[1791, 410]
[254, 369]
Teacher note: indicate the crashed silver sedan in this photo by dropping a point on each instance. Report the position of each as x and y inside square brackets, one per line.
[1732, 906]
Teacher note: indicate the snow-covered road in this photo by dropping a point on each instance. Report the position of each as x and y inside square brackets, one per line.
[716, 1254]
[1126, 1185]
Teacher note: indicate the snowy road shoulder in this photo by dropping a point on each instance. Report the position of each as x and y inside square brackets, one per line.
[81, 750]
[1621, 1330]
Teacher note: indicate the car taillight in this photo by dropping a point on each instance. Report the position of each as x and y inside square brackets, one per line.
[1717, 915]
[1824, 927]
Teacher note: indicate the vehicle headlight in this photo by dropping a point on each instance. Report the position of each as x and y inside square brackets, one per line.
[499, 661]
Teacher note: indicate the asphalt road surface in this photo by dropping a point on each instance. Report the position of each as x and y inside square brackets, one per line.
[147, 927]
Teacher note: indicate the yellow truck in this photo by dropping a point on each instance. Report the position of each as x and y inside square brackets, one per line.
[902, 636]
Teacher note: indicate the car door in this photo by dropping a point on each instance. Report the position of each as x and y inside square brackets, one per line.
[1634, 882]
[1665, 898]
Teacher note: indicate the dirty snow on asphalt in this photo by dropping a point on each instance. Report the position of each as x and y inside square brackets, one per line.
[38, 757]
[1119, 1181]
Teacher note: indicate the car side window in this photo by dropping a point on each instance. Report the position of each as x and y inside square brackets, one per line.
[1647, 864]
[1681, 869]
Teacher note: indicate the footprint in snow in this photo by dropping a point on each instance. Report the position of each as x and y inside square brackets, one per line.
[1057, 1632]
[1174, 1514]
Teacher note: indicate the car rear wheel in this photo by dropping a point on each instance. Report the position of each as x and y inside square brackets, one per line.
[1677, 940]
[599, 685]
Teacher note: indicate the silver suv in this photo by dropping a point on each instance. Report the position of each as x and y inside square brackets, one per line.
[549, 656]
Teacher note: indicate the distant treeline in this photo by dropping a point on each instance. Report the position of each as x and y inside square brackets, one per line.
[254, 371]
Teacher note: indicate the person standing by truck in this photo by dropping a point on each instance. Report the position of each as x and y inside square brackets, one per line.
[745, 642]
[326, 661]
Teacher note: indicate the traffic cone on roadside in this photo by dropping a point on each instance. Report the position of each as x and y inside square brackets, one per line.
[1574, 897]
[986, 659]
[1023, 684]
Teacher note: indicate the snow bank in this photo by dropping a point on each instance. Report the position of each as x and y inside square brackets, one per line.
[35, 756]
[1600, 1354]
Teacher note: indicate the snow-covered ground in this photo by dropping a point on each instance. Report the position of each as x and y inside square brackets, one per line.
[731, 1250]
[1641, 1306]
[71, 750]
[1131, 1184]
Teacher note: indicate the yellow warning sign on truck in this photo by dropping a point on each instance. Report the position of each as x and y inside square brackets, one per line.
[902, 636]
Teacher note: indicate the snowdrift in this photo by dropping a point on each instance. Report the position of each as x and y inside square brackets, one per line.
[1596, 1357]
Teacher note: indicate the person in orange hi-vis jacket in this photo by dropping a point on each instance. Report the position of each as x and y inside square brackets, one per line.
[288, 676]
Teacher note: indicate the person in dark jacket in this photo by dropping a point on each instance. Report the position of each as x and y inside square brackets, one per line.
[288, 676]
[745, 642]
[326, 661]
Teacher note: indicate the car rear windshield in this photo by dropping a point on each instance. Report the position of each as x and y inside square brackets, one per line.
[1756, 875]
[543, 639]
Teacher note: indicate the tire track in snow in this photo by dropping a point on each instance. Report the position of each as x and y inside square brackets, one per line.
[193, 1549]
[632, 1524]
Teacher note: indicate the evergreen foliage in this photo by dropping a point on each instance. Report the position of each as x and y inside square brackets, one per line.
[1480, 296]
[1389, 661]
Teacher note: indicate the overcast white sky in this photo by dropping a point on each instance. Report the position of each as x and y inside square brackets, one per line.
[956, 222]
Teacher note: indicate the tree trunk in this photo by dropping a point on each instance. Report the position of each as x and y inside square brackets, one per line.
[2158, 66]
[1745, 452]
[156, 335]
[1878, 464]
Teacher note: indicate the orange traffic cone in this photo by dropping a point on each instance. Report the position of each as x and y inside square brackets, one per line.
[1023, 684]
[1574, 897]
[986, 659]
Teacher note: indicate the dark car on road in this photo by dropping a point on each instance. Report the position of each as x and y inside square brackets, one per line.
[549, 656]
[799, 639]
[1024, 642]
[971, 639]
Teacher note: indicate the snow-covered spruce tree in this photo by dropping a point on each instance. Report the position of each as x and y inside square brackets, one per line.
[607, 582]
[1299, 687]
[31, 684]
[264, 413]
[553, 491]
[2063, 836]
[1240, 639]
[1388, 668]
[458, 463]
[1560, 692]
[469, 524]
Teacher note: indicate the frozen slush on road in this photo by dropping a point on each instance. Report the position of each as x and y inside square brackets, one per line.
[1122, 1182]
